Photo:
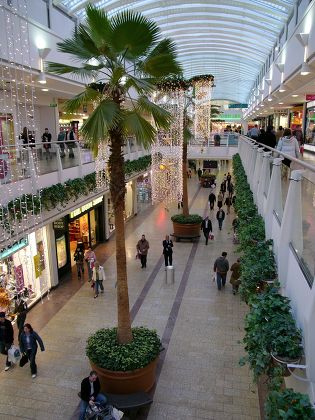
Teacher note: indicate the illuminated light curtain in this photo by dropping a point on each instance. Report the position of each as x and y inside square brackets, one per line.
[166, 152]
[101, 165]
[202, 92]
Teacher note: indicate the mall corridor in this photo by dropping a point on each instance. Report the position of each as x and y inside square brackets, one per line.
[200, 327]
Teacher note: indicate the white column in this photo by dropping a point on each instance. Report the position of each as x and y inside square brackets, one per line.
[291, 225]
[257, 172]
[135, 198]
[252, 166]
[274, 197]
[52, 256]
[263, 180]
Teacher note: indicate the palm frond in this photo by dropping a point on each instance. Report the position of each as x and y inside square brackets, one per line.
[85, 72]
[140, 85]
[133, 34]
[162, 118]
[99, 28]
[81, 45]
[134, 124]
[103, 118]
[76, 103]
[161, 61]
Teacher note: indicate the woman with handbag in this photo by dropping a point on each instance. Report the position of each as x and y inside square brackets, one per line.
[28, 345]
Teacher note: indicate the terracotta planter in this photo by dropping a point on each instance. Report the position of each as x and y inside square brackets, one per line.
[186, 229]
[284, 361]
[118, 382]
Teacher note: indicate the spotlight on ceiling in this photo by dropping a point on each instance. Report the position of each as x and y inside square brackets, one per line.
[305, 69]
[282, 88]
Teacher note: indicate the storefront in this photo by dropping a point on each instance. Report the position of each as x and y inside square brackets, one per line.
[310, 124]
[280, 119]
[24, 272]
[296, 118]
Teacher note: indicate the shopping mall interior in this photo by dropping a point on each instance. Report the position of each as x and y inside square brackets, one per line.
[157, 178]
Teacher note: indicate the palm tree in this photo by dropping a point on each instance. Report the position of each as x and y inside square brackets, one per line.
[126, 55]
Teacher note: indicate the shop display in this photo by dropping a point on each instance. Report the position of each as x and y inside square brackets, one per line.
[61, 251]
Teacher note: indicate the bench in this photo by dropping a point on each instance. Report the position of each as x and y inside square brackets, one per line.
[186, 237]
[129, 403]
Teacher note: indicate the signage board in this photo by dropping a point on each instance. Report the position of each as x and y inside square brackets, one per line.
[238, 106]
[11, 249]
[310, 97]
[52, 105]
[86, 207]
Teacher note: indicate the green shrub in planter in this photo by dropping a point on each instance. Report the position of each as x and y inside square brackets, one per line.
[104, 350]
[191, 219]
[289, 405]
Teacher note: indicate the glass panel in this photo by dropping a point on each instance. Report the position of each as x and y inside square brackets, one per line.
[285, 174]
[45, 160]
[71, 155]
[92, 227]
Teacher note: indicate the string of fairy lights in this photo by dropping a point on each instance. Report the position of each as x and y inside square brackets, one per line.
[22, 215]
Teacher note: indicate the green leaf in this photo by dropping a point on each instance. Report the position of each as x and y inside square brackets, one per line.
[134, 124]
[99, 28]
[162, 118]
[133, 34]
[86, 72]
[76, 103]
[103, 118]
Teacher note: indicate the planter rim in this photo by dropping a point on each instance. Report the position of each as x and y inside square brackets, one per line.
[124, 371]
[284, 360]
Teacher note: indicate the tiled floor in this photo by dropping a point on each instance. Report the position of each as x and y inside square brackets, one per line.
[199, 376]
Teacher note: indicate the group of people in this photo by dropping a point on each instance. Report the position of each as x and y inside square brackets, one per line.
[28, 342]
[143, 248]
[96, 272]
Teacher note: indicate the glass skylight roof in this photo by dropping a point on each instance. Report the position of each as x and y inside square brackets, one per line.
[229, 39]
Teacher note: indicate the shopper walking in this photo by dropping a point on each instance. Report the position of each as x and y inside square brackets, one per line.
[142, 249]
[199, 173]
[228, 178]
[220, 217]
[279, 133]
[71, 139]
[46, 139]
[212, 199]
[230, 189]
[28, 344]
[220, 199]
[6, 338]
[90, 393]
[61, 138]
[168, 250]
[228, 203]
[21, 310]
[98, 276]
[90, 259]
[223, 188]
[206, 227]
[221, 267]
[236, 274]
[79, 259]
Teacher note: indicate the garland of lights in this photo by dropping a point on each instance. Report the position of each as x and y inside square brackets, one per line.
[101, 165]
[203, 89]
[167, 151]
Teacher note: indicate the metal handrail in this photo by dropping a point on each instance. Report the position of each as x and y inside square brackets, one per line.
[300, 162]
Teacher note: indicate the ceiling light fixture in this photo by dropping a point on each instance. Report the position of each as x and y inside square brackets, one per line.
[282, 88]
[295, 95]
[280, 67]
[42, 78]
[44, 90]
[305, 69]
[269, 99]
[302, 38]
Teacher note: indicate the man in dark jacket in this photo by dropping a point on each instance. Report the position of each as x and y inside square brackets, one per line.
[221, 267]
[206, 227]
[46, 139]
[6, 337]
[90, 393]
[212, 199]
[220, 217]
[168, 251]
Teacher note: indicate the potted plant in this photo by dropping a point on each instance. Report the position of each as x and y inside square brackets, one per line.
[185, 226]
[289, 405]
[127, 53]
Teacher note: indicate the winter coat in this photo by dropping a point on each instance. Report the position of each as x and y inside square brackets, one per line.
[289, 145]
[101, 274]
[143, 247]
[34, 339]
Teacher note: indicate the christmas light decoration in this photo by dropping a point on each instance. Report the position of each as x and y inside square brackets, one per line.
[202, 91]
[101, 166]
[167, 151]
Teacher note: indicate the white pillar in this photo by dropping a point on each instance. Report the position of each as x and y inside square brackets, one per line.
[257, 173]
[263, 180]
[274, 197]
[252, 166]
[291, 225]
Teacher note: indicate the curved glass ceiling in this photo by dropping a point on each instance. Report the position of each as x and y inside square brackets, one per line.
[229, 39]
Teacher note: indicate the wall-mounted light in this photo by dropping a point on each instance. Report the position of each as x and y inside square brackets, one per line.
[268, 81]
[270, 98]
[282, 88]
[280, 67]
[42, 52]
[303, 38]
[42, 78]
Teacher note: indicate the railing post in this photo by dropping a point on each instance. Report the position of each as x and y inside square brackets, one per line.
[257, 173]
[80, 160]
[291, 226]
[59, 165]
[274, 197]
[252, 165]
[263, 182]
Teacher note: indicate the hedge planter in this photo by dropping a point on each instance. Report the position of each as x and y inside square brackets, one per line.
[186, 230]
[118, 382]
[283, 362]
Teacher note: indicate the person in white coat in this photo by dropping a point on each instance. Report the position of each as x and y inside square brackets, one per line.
[98, 277]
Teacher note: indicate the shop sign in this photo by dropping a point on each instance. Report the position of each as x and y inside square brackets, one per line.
[37, 266]
[86, 207]
[232, 117]
[59, 224]
[11, 249]
[310, 97]
[238, 106]
[52, 105]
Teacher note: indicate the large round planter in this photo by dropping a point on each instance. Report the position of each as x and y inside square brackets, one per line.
[118, 382]
[186, 229]
[284, 361]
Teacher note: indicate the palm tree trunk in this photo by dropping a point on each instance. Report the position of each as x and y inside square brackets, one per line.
[185, 189]
[118, 191]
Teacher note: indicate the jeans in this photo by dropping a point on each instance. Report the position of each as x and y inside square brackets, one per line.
[90, 270]
[143, 259]
[221, 279]
[220, 223]
[99, 285]
[206, 233]
[80, 269]
[168, 258]
[4, 347]
[31, 357]
[100, 398]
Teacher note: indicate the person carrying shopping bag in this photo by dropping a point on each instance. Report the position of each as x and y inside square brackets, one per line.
[98, 277]
[28, 345]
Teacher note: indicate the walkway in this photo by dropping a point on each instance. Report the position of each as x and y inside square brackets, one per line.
[199, 376]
